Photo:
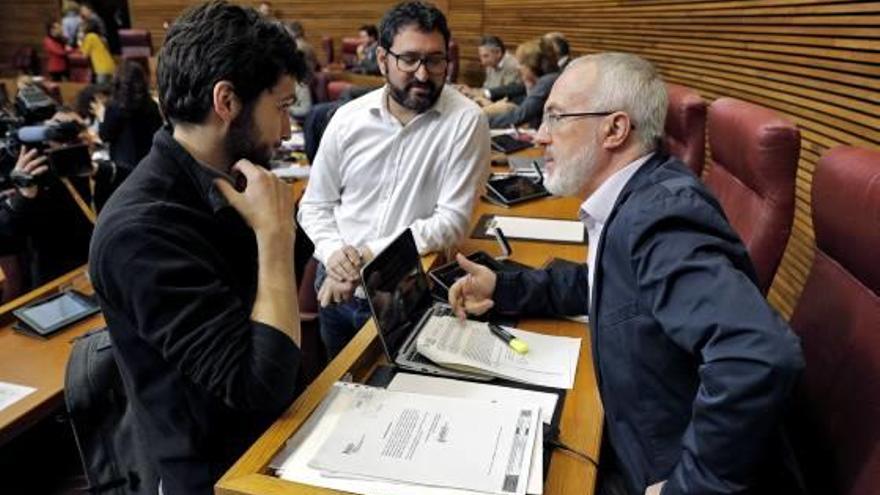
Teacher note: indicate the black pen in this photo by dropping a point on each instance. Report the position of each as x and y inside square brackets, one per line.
[516, 344]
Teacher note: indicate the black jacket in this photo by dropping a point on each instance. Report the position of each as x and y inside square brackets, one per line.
[175, 269]
[694, 367]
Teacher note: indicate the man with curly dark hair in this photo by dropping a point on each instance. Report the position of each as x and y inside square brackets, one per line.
[195, 275]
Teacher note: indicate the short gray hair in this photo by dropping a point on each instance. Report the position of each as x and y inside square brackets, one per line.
[629, 83]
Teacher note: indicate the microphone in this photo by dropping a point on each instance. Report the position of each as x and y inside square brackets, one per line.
[61, 131]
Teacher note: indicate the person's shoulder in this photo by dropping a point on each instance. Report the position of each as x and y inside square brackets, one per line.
[458, 104]
[359, 106]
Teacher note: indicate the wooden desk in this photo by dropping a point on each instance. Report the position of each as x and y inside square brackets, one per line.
[581, 421]
[35, 362]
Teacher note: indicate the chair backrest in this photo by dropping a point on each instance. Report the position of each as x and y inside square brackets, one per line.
[335, 89]
[80, 68]
[754, 160]
[838, 320]
[327, 46]
[685, 132]
[135, 43]
[454, 62]
[348, 50]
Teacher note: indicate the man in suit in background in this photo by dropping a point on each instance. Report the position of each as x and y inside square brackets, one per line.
[693, 366]
[501, 68]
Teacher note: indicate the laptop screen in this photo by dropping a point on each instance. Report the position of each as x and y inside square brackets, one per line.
[397, 290]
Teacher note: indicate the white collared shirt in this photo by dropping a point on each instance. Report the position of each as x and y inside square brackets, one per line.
[595, 210]
[373, 177]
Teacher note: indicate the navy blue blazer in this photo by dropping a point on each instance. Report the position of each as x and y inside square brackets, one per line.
[693, 365]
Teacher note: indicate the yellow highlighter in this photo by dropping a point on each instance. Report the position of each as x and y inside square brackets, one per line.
[516, 344]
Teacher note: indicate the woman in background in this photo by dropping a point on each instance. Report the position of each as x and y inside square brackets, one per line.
[126, 124]
[95, 48]
[56, 51]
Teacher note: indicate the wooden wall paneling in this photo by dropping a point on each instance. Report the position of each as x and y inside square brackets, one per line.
[23, 23]
[815, 62]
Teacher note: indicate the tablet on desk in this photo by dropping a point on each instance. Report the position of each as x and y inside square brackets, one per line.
[51, 314]
[516, 189]
[508, 144]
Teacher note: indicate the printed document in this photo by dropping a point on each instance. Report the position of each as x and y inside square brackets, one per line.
[433, 441]
[11, 393]
[469, 345]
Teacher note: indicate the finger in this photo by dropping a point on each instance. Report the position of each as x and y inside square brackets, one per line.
[39, 171]
[467, 265]
[338, 273]
[228, 191]
[456, 299]
[32, 164]
[248, 169]
[324, 296]
[352, 254]
[479, 307]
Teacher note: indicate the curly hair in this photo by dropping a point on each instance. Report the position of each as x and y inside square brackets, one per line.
[131, 89]
[423, 15]
[217, 41]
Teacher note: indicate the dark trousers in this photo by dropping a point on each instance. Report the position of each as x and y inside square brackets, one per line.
[340, 322]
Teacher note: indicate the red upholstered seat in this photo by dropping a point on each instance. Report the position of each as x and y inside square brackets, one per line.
[335, 89]
[135, 43]
[327, 46]
[837, 418]
[754, 159]
[685, 132]
[348, 55]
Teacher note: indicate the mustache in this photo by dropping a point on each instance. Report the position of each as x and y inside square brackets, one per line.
[428, 85]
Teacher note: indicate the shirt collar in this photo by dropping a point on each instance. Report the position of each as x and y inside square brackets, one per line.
[598, 206]
[202, 176]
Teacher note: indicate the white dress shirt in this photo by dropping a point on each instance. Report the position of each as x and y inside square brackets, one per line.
[373, 177]
[595, 210]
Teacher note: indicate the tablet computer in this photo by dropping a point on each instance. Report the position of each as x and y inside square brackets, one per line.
[516, 189]
[509, 144]
[51, 314]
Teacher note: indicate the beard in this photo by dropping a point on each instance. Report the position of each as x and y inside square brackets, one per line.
[243, 142]
[417, 103]
[570, 174]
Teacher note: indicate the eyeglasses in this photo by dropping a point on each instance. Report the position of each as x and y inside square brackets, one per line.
[410, 63]
[551, 120]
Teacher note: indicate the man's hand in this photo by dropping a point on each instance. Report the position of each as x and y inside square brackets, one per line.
[32, 164]
[266, 203]
[345, 264]
[335, 291]
[655, 489]
[473, 292]
[499, 107]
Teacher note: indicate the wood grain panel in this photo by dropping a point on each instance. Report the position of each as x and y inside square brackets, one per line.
[22, 23]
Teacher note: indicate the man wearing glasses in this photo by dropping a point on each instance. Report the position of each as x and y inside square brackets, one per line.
[408, 155]
[693, 366]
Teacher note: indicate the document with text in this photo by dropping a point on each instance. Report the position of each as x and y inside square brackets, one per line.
[469, 346]
[433, 441]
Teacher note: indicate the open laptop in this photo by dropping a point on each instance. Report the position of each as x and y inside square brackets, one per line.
[400, 299]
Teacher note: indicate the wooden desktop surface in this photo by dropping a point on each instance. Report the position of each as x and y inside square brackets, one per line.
[582, 416]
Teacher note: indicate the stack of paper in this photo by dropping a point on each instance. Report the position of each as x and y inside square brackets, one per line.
[469, 346]
[371, 441]
[541, 229]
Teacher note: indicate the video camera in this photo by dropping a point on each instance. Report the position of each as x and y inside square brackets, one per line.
[27, 127]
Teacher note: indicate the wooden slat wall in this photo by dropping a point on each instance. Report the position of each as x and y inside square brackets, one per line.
[22, 23]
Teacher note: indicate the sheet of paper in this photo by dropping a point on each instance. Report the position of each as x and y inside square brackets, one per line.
[446, 387]
[435, 441]
[11, 393]
[291, 463]
[551, 360]
[292, 172]
[541, 228]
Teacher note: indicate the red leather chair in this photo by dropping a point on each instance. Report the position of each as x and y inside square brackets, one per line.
[685, 133]
[836, 428]
[11, 279]
[754, 159]
[348, 50]
[327, 45]
[314, 354]
[335, 89]
[454, 62]
[80, 68]
[135, 43]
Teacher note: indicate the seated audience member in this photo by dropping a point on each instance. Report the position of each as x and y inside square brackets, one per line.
[265, 9]
[560, 47]
[206, 335]
[408, 155]
[693, 366]
[56, 51]
[366, 51]
[126, 124]
[95, 48]
[70, 22]
[299, 35]
[537, 67]
[501, 68]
